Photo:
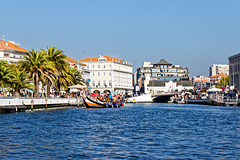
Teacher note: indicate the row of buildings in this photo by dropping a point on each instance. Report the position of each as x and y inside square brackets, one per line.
[110, 74]
[216, 73]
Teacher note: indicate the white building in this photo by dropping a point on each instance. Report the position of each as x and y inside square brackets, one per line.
[201, 81]
[215, 69]
[11, 51]
[109, 74]
[162, 77]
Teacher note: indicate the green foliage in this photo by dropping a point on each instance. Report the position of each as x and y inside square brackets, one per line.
[46, 66]
[4, 73]
[37, 66]
[224, 81]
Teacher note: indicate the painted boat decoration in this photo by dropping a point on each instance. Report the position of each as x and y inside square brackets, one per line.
[115, 104]
[89, 103]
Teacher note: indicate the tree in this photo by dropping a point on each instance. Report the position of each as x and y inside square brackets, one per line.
[71, 77]
[37, 66]
[76, 76]
[18, 80]
[224, 81]
[58, 60]
[4, 73]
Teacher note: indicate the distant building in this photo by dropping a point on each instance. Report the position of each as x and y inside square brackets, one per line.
[217, 78]
[109, 74]
[234, 71]
[11, 51]
[162, 77]
[201, 82]
[215, 69]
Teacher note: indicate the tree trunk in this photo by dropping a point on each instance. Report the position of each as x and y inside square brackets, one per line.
[48, 89]
[36, 93]
[17, 93]
[58, 87]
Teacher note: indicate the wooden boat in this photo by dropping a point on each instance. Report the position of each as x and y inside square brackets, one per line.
[114, 104]
[89, 103]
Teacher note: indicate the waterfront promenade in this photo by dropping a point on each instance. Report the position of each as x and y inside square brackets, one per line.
[9, 105]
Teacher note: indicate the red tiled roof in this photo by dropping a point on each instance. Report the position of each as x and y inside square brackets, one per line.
[11, 46]
[219, 75]
[96, 59]
[71, 60]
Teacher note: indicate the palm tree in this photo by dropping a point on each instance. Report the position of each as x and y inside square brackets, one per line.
[72, 77]
[76, 76]
[4, 73]
[58, 60]
[37, 66]
[18, 80]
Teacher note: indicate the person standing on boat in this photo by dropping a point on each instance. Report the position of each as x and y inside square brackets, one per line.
[110, 97]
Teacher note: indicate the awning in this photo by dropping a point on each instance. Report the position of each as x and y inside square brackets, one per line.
[214, 90]
[78, 86]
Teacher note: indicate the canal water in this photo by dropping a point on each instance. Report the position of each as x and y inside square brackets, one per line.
[136, 131]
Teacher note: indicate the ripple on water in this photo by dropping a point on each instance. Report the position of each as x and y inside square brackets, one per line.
[137, 131]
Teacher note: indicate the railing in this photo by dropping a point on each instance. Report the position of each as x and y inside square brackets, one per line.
[216, 97]
[36, 101]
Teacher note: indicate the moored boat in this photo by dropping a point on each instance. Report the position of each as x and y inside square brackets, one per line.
[89, 103]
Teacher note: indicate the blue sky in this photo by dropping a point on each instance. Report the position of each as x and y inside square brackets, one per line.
[191, 33]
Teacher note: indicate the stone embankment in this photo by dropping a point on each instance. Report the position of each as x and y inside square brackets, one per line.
[9, 105]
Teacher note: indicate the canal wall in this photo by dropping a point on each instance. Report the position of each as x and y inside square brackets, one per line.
[9, 105]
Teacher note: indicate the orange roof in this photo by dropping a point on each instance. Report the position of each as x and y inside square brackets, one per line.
[96, 59]
[215, 76]
[201, 80]
[113, 59]
[219, 75]
[11, 46]
[71, 60]
[88, 59]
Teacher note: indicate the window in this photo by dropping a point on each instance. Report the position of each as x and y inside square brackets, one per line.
[98, 73]
[93, 74]
[110, 65]
[98, 66]
[93, 66]
[110, 74]
[99, 84]
[104, 66]
[104, 83]
[101, 59]
[93, 83]
[110, 83]
[104, 74]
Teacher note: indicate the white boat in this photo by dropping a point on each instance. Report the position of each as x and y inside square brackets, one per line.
[144, 98]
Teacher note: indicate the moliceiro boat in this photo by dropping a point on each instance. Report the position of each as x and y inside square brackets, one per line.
[90, 103]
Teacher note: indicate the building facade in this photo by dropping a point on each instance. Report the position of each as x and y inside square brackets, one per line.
[162, 77]
[109, 74]
[201, 82]
[234, 71]
[216, 78]
[11, 51]
[215, 69]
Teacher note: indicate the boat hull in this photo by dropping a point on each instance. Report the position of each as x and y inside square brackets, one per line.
[145, 98]
[89, 103]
